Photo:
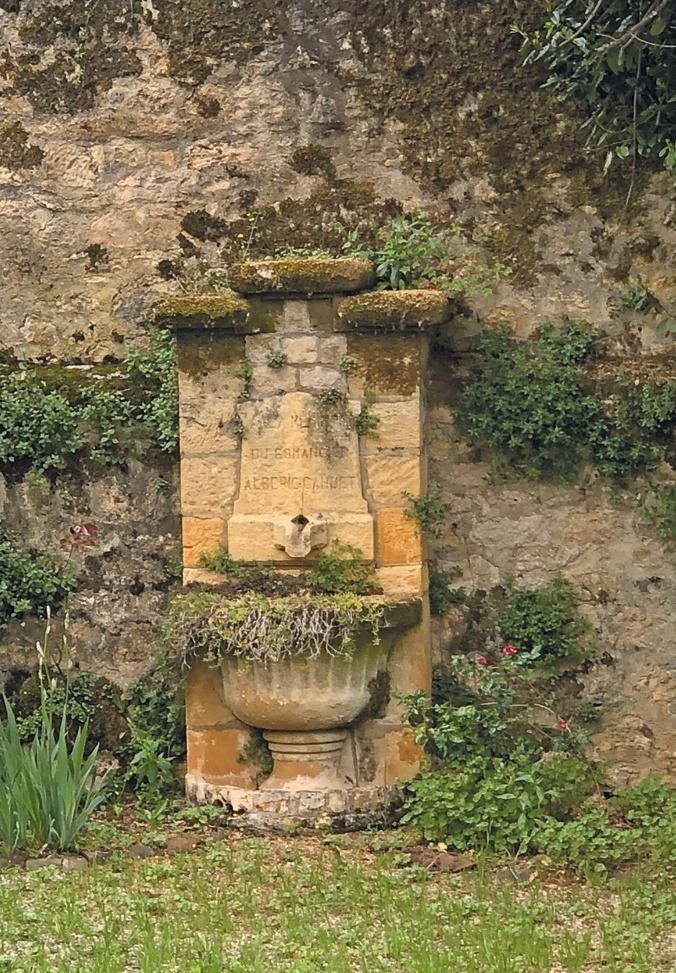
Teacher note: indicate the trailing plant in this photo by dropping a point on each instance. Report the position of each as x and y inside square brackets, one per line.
[38, 426]
[428, 511]
[244, 372]
[47, 420]
[442, 596]
[615, 57]
[256, 751]
[30, 581]
[154, 371]
[531, 407]
[270, 629]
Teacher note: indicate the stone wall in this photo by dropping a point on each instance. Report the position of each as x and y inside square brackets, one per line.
[135, 138]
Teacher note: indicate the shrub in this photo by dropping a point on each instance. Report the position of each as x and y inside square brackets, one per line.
[544, 624]
[528, 407]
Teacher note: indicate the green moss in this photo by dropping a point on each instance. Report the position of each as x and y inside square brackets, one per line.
[302, 275]
[74, 50]
[202, 311]
[391, 367]
[315, 221]
[16, 152]
[395, 310]
[201, 34]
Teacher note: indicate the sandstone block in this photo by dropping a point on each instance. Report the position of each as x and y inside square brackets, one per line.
[208, 483]
[396, 539]
[399, 426]
[390, 474]
[302, 275]
[301, 350]
[204, 705]
[201, 535]
[214, 755]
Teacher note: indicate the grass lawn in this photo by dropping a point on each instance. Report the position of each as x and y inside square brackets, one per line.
[248, 905]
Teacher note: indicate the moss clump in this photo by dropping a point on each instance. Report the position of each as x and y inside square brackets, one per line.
[303, 275]
[202, 34]
[16, 153]
[74, 50]
[395, 310]
[203, 226]
[202, 311]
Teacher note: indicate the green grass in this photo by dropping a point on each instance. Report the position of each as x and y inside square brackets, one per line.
[293, 906]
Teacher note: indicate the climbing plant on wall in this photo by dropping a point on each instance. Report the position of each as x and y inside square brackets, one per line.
[618, 58]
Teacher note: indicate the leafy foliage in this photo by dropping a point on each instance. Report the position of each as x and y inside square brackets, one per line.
[48, 788]
[408, 255]
[498, 778]
[532, 408]
[617, 58]
[544, 623]
[42, 426]
[442, 595]
[428, 511]
[37, 426]
[29, 581]
[154, 708]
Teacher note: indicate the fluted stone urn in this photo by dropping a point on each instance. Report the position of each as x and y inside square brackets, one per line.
[305, 705]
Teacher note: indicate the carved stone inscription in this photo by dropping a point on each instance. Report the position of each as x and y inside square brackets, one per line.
[299, 484]
[292, 464]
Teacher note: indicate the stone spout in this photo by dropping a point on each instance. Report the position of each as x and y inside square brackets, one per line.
[300, 535]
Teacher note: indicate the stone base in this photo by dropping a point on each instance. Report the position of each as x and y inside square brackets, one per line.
[292, 812]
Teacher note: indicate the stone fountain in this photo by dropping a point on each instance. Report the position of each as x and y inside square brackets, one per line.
[275, 468]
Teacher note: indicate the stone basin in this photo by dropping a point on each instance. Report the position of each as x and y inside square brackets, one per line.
[304, 705]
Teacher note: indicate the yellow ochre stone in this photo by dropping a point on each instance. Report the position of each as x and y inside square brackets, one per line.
[303, 275]
[395, 310]
[202, 311]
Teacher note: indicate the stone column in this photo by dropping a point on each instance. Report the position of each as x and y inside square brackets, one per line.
[255, 372]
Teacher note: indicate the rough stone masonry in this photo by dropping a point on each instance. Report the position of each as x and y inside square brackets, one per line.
[136, 136]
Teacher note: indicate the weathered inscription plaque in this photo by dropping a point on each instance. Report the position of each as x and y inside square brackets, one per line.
[299, 475]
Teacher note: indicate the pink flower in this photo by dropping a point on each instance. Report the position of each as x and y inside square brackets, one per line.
[564, 725]
[508, 650]
[481, 660]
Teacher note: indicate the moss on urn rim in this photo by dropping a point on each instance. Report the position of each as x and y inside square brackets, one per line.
[303, 275]
[395, 310]
[202, 311]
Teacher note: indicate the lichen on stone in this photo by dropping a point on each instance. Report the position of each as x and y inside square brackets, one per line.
[395, 310]
[302, 275]
[225, 311]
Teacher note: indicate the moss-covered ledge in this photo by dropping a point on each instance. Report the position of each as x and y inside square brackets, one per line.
[226, 312]
[394, 310]
[303, 276]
